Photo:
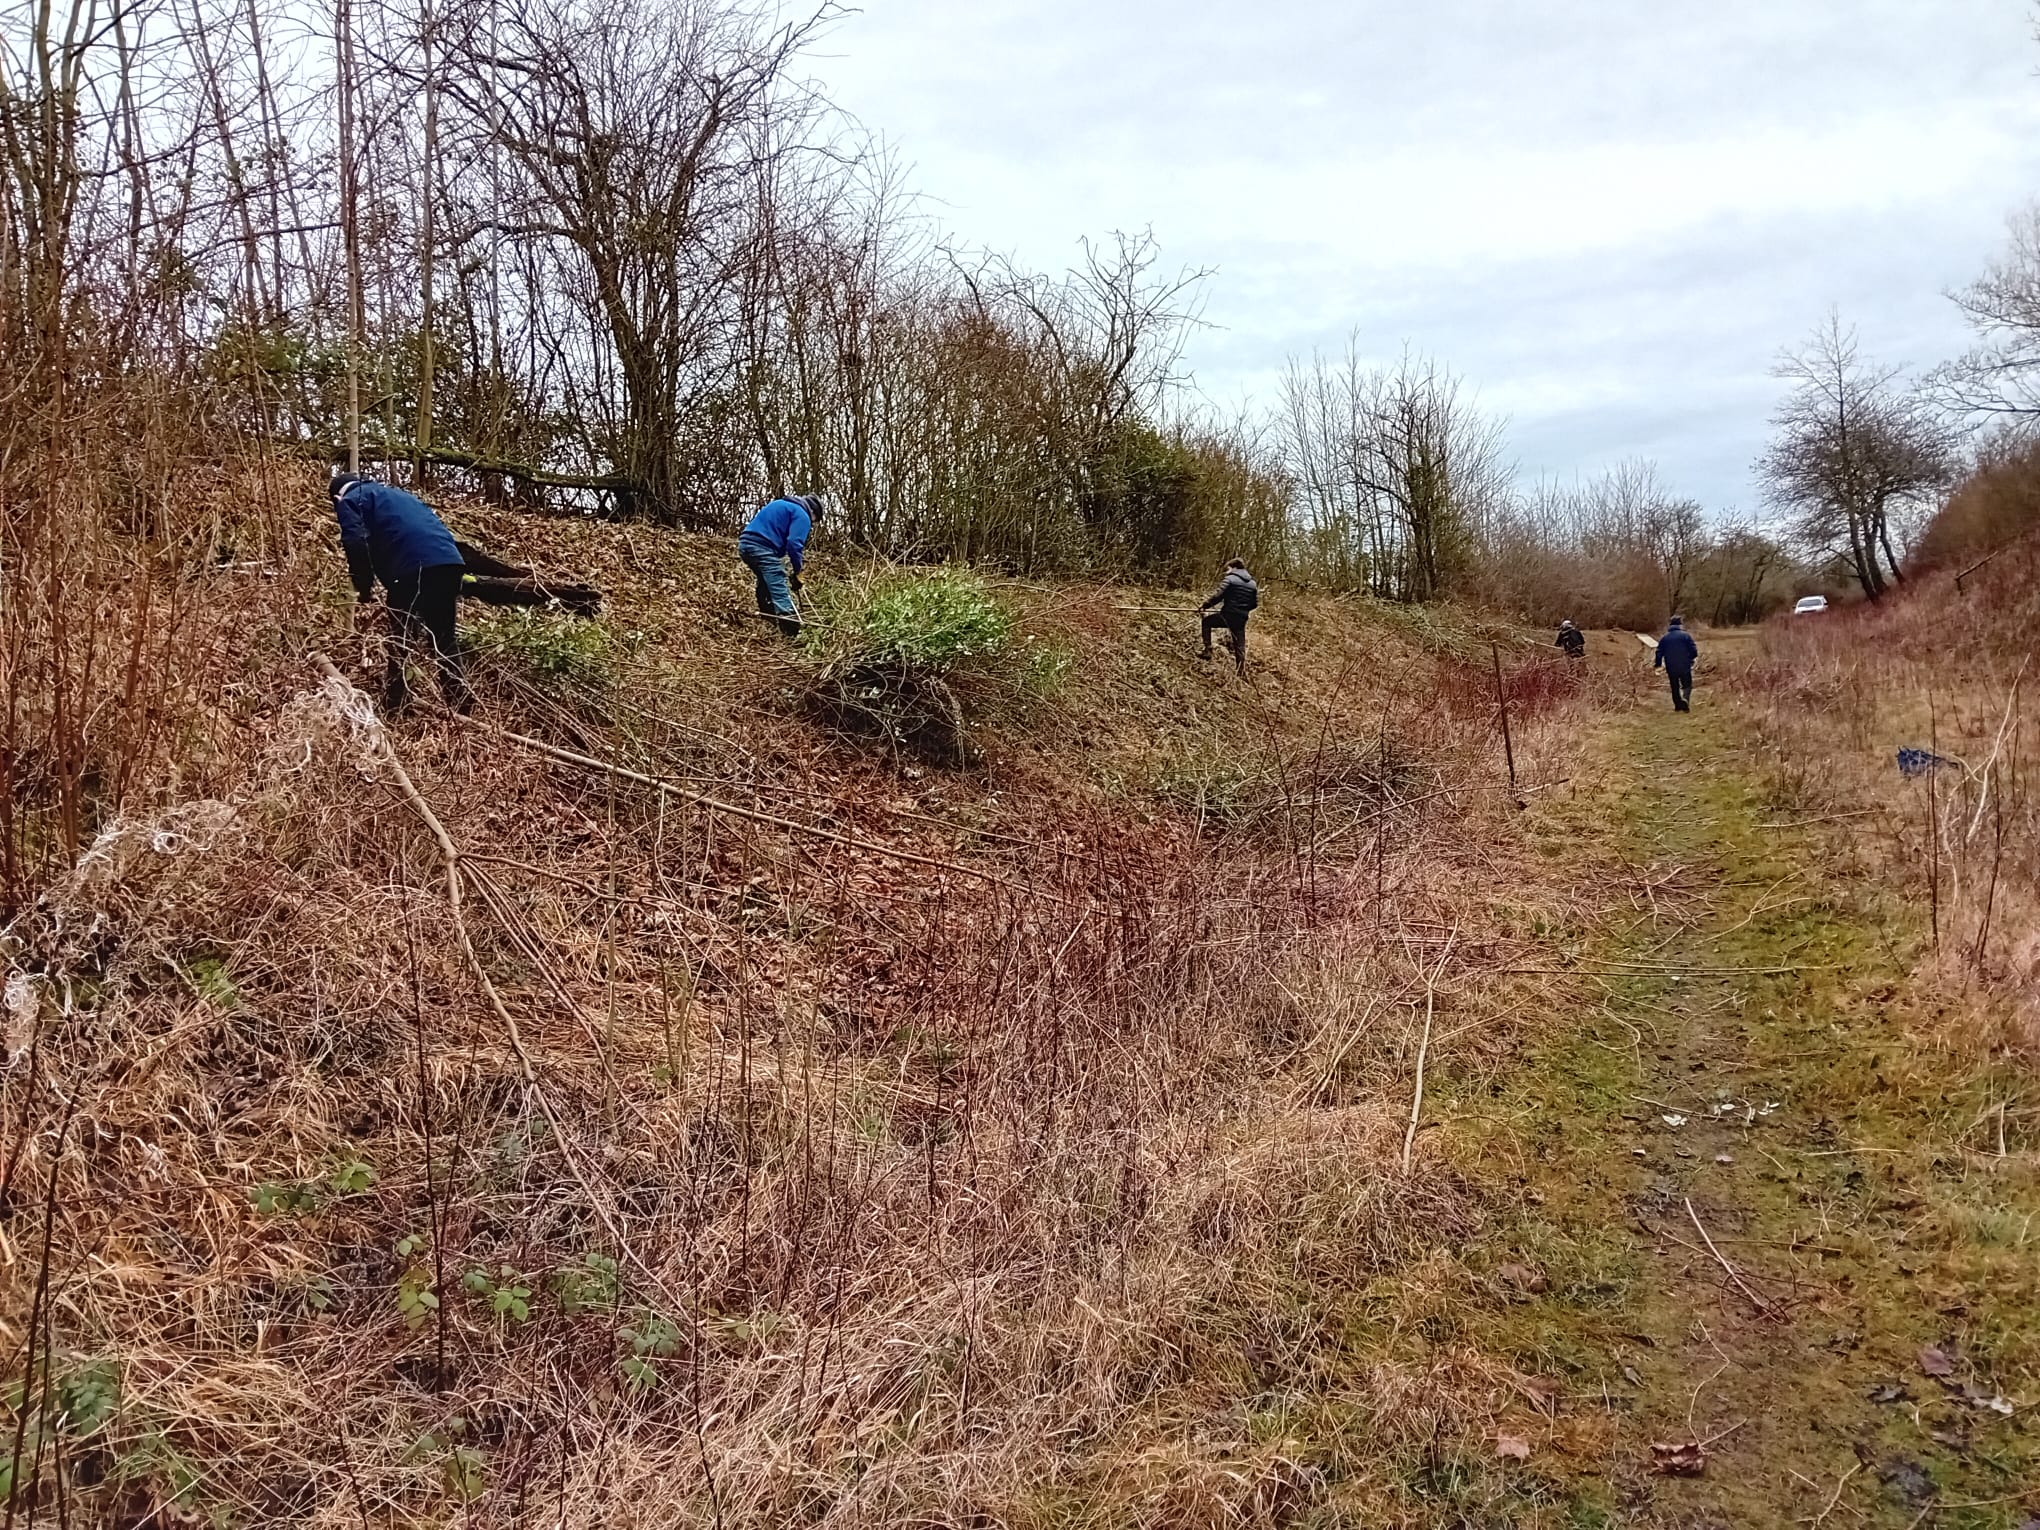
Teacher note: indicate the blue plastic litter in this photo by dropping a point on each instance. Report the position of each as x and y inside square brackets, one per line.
[1914, 763]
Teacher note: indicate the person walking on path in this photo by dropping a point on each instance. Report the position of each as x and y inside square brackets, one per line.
[1676, 652]
[1571, 641]
[394, 537]
[1235, 599]
[772, 545]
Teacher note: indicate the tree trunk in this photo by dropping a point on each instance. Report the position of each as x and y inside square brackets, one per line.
[343, 27]
[1862, 558]
[426, 236]
[1884, 540]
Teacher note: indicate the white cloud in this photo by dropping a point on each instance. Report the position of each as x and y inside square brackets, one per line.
[1609, 216]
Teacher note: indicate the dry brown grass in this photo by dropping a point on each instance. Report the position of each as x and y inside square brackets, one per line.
[1001, 1192]
[1933, 667]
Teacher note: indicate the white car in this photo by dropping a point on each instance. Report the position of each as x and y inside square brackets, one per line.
[1810, 605]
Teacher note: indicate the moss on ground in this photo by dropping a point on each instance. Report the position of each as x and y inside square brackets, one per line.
[1729, 975]
[1750, 1061]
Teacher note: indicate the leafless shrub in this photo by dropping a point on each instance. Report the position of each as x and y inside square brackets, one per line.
[1995, 505]
[1397, 474]
[1940, 672]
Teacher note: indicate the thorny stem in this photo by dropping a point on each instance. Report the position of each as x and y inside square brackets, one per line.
[439, 1379]
[37, 1326]
[1934, 818]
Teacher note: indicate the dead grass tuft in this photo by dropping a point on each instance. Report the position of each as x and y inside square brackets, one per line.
[1943, 671]
[980, 1146]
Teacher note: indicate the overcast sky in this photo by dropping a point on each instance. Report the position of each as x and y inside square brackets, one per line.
[1608, 215]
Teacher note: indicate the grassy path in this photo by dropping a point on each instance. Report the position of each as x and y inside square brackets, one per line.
[1866, 1233]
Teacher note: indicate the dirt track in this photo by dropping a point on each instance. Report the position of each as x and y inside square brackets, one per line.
[1762, 1241]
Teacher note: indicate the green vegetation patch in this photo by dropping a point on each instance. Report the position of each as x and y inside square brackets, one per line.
[543, 647]
[934, 621]
[922, 659]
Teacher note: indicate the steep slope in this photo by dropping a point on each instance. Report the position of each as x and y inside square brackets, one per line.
[1217, 1103]
[653, 1104]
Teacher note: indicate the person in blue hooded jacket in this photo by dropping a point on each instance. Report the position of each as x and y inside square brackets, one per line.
[1676, 652]
[393, 537]
[773, 545]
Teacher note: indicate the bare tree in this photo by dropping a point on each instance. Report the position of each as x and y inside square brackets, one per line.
[350, 219]
[1851, 452]
[1632, 520]
[1742, 574]
[1325, 431]
[39, 137]
[1398, 475]
[1624, 549]
[636, 130]
[2001, 374]
[428, 250]
[1439, 465]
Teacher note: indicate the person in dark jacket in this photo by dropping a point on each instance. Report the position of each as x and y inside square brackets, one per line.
[774, 542]
[1676, 652]
[1571, 641]
[1235, 599]
[394, 537]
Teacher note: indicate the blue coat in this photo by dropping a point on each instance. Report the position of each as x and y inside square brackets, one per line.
[388, 534]
[1676, 651]
[780, 528]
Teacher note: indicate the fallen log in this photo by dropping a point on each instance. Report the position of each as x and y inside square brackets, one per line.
[579, 599]
[496, 583]
[481, 562]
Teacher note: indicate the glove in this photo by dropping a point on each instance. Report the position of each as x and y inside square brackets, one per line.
[796, 584]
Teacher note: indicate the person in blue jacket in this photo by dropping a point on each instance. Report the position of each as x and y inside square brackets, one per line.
[394, 537]
[1676, 652]
[774, 542]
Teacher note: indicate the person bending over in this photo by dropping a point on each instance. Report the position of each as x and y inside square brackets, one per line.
[394, 537]
[772, 546]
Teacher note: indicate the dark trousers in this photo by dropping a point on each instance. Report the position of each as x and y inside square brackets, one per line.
[774, 592]
[1682, 689]
[1235, 626]
[422, 622]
